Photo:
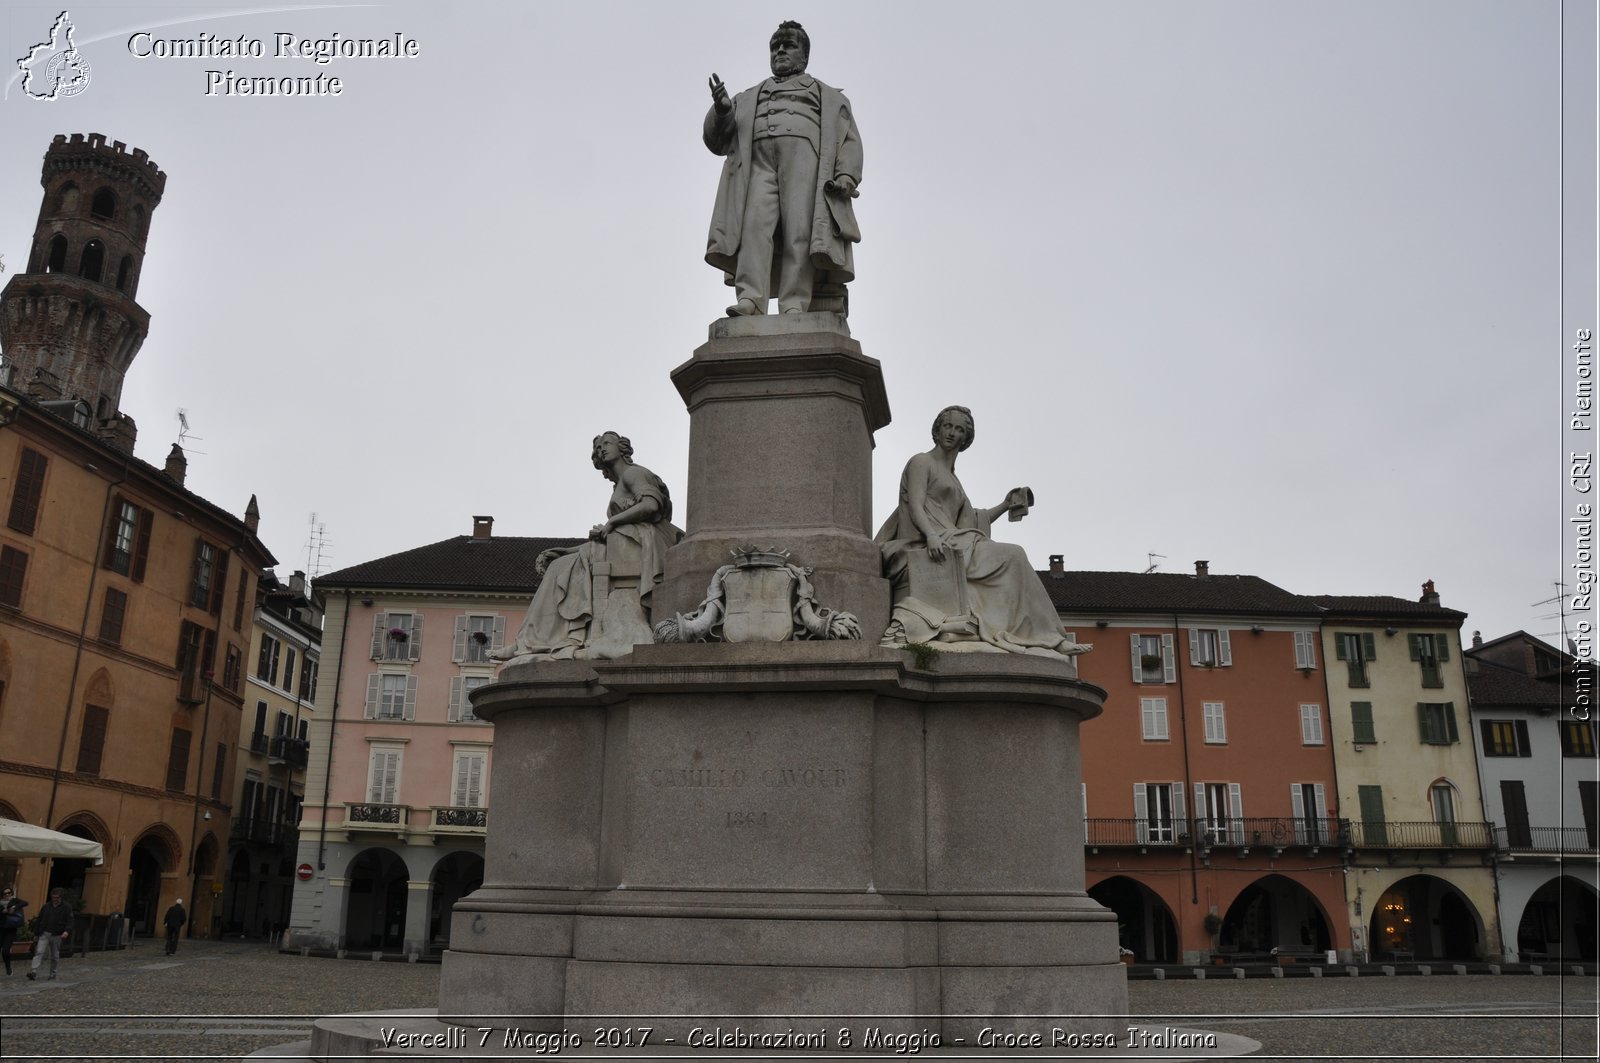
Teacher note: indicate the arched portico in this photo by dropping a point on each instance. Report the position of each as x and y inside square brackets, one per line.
[454, 876]
[376, 900]
[1423, 917]
[1558, 923]
[1276, 912]
[1144, 922]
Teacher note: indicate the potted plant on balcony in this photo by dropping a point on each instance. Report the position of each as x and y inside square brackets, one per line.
[399, 634]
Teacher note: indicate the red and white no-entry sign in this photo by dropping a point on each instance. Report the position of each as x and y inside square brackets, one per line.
[305, 872]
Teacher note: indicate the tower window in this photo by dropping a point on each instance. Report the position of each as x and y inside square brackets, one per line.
[124, 272]
[104, 205]
[68, 201]
[141, 224]
[93, 262]
[58, 254]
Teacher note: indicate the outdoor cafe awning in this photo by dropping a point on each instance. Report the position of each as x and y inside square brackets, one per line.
[24, 839]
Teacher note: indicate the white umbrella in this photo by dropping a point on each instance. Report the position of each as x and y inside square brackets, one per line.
[24, 839]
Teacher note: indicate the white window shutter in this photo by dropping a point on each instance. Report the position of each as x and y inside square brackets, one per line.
[411, 697]
[1235, 812]
[1180, 824]
[458, 649]
[1161, 718]
[1321, 799]
[416, 636]
[1138, 669]
[1296, 802]
[1201, 812]
[374, 686]
[1141, 825]
[380, 631]
[456, 694]
[499, 632]
[1194, 646]
[1169, 659]
[1224, 650]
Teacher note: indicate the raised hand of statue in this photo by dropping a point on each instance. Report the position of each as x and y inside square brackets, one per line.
[719, 95]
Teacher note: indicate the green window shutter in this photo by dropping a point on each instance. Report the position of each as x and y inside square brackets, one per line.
[1425, 724]
[1339, 646]
[1369, 646]
[1371, 798]
[1523, 749]
[1450, 722]
[1414, 643]
[1441, 646]
[1361, 722]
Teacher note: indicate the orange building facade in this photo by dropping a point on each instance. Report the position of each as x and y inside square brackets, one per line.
[1210, 805]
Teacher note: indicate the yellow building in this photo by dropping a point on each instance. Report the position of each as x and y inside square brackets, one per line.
[1419, 884]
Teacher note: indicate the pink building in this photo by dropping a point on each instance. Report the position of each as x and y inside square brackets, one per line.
[396, 804]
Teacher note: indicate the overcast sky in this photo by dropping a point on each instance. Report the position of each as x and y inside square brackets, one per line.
[1270, 284]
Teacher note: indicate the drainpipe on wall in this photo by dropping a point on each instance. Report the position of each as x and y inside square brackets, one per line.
[194, 817]
[1188, 783]
[333, 718]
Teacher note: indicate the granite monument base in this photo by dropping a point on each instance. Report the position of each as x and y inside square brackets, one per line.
[771, 835]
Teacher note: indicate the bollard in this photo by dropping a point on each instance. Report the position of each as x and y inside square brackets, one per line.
[413, 957]
[1353, 971]
[1161, 974]
[1277, 972]
[1577, 969]
[1494, 968]
[1534, 968]
[1316, 972]
[1388, 970]
[305, 950]
[1199, 974]
[1423, 968]
[1459, 968]
[1238, 972]
[377, 955]
[339, 953]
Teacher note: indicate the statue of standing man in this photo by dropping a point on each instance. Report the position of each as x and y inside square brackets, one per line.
[784, 224]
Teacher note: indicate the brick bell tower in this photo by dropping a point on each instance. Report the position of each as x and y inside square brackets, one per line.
[70, 326]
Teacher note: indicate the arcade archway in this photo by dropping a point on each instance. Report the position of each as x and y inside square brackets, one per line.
[1425, 918]
[1144, 922]
[1275, 912]
[1558, 922]
[453, 878]
[375, 908]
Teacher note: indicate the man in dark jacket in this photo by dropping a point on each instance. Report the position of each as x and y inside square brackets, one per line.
[52, 926]
[12, 919]
[174, 921]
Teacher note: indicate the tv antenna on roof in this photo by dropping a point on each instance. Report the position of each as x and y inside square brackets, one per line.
[1153, 564]
[184, 431]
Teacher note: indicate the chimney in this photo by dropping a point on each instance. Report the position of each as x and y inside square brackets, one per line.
[1202, 570]
[483, 527]
[252, 515]
[1429, 595]
[177, 465]
[297, 584]
[1057, 565]
[1477, 639]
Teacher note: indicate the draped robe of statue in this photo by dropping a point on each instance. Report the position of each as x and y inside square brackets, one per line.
[560, 619]
[1011, 609]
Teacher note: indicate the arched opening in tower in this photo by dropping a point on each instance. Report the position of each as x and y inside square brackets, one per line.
[92, 265]
[104, 205]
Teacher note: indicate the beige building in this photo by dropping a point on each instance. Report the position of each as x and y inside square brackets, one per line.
[1419, 883]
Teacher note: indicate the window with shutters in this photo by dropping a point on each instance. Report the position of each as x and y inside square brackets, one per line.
[288, 669]
[112, 613]
[1305, 649]
[1158, 813]
[178, 759]
[1577, 738]
[1153, 719]
[1374, 825]
[205, 572]
[1519, 832]
[1438, 723]
[1210, 647]
[1356, 649]
[1430, 651]
[233, 669]
[397, 636]
[1504, 738]
[383, 775]
[1220, 810]
[308, 679]
[1310, 725]
[219, 771]
[1215, 725]
[238, 602]
[477, 636]
[24, 515]
[1442, 796]
[267, 660]
[13, 574]
[1363, 732]
[127, 547]
[1308, 804]
[92, 739]
[461, 686]
[391, 696]
[191, 656]
[1153, 660]
[469, 770]
[261, 719]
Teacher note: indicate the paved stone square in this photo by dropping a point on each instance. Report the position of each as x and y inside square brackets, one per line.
[222, 1000]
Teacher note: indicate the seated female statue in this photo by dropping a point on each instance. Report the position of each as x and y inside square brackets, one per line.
[952, 584]
[594, 598]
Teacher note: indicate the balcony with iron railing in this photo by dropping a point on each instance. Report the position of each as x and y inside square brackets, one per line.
[1269, 832]
[292, 751]
[258, 742]
[379, 818]
[454, 819]
[1380, 834]
[258, 830]
[1520, 839]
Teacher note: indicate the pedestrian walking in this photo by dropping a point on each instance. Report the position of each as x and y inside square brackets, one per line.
[11, 920]
[52, 926]
[174, 921]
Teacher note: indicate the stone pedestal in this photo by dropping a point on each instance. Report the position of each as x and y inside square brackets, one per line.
[777, 835]
[781, 415]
